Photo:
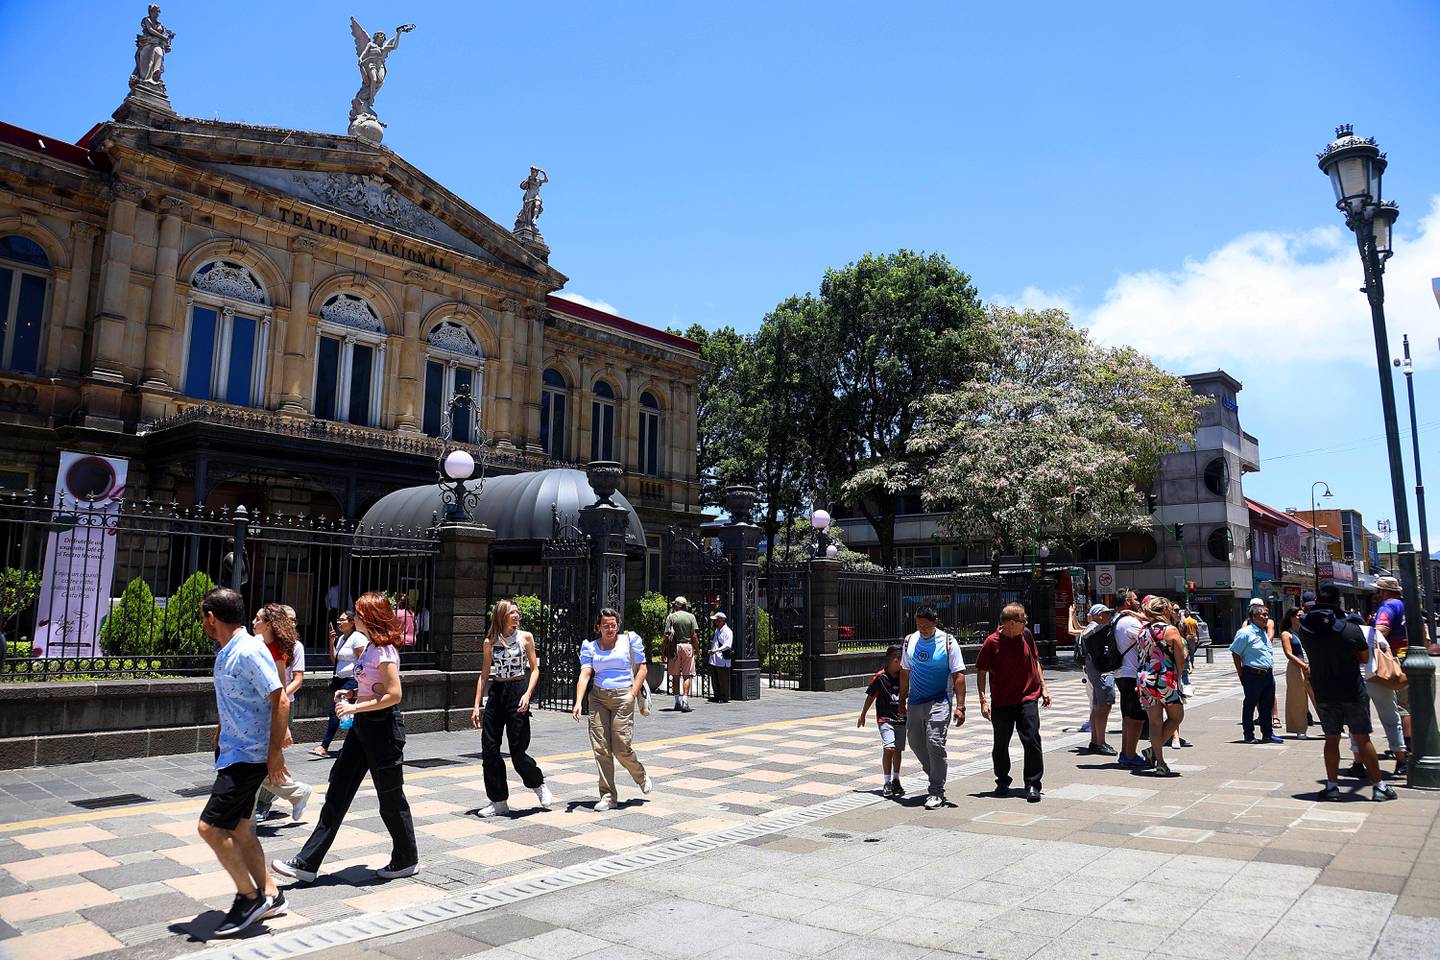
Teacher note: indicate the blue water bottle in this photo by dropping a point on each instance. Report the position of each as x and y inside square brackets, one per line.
[347, 721]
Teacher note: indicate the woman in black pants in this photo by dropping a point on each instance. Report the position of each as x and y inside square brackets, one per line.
[375, 744]
[510, 670]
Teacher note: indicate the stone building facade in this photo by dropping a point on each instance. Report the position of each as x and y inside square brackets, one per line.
[279, 318]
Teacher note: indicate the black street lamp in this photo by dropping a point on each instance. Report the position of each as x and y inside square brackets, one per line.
[1315, 528]
[1355, 167]
[1425, 578]
[458, 465]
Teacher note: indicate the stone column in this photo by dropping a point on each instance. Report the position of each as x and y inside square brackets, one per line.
[534, 379]
[161, 327]
[110, 322]
[823, 610]
[294, 391]
[581, 393]
[628, 440]
[605, 522]
[407, 417]
[505, 373]
[458, 611]
[740, 538]
[77, 303]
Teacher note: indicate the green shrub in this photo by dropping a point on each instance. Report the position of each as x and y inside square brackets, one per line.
[181, 628]
[533, 615]
[646, 616]
[18, 589]
[764, 637]
[132, 626]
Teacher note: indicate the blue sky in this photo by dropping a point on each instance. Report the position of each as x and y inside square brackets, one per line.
[1149, 166]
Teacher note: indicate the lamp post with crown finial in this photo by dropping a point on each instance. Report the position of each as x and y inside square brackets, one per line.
[458, 465]
[1425, 579]
[1356, 167]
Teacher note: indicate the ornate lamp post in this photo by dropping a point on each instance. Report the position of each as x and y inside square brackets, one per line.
[1355, 167]
[1425, 578]
[1315, 529]
[457, 465]
[820, 520]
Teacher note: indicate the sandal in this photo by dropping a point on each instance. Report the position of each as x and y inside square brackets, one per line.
[320, 752]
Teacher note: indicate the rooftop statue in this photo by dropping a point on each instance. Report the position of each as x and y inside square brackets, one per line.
[371, 51]
[151, 44]
[531, 206]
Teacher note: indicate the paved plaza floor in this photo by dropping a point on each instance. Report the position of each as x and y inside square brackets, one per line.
[765, 837]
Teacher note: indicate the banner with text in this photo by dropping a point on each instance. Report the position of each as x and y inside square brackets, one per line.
[80, 555]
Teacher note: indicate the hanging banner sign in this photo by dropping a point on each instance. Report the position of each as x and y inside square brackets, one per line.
[80, 555]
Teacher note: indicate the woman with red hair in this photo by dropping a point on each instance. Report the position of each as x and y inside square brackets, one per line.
[375, 744]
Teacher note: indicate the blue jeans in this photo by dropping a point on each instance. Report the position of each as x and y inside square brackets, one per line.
[1259, 694]
[331, 728]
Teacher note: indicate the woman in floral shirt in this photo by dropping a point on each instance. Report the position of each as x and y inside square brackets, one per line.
[1162, 650]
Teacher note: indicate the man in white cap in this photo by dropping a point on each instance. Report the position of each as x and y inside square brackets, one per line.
[1102, 685]
[721, 643]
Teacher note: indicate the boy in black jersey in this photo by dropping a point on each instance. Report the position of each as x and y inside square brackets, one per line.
[884, 693]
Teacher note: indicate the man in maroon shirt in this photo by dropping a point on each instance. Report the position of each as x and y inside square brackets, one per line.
[1010, 662]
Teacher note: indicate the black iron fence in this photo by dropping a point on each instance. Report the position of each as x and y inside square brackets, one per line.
[878, 608]
[91, 591]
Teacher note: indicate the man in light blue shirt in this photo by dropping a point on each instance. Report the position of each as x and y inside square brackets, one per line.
[254, 717]
[1254, 664]
[932, 671]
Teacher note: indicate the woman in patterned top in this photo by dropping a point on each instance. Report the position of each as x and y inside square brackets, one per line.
[511, 670]
[1157, 682]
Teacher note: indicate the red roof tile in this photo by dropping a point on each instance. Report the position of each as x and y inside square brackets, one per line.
[50, 147]
[573, 309]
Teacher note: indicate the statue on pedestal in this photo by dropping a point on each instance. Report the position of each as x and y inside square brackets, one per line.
[531, 207]
[371, 51]
[147, 83]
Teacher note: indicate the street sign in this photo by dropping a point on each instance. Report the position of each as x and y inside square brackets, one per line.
[1105, 579]
[1222, 583]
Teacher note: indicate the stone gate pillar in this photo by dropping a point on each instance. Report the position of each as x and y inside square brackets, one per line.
[740, 537]
[458, 611]
[605, 522]
[823, 611]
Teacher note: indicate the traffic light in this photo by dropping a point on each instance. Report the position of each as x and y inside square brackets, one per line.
[1152, 502]
[1179, 532]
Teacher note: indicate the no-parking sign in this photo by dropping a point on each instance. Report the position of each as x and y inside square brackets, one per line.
[1105, 579]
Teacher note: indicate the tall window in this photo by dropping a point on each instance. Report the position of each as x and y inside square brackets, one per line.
[602, 423]
[227, 332]
[453, 365]
[653, 554]
[24, 273]
[649, 434]
[553, 392]
[349, 361]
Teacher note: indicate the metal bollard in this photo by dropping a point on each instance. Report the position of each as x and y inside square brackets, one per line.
[1209, 654]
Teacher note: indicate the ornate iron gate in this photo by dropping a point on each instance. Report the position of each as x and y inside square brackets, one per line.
[787, 604]
[701, 575]
[566, 603]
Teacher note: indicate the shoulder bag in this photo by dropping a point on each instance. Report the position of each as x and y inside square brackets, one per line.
[1388, 672]
[642, 703]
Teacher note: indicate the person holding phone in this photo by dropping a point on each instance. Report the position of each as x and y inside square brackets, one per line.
[346, 646]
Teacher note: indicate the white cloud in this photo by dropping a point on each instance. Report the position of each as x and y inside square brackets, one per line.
[587, 302]
[1272, 295]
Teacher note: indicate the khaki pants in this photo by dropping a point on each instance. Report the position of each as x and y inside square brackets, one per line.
[612, 725]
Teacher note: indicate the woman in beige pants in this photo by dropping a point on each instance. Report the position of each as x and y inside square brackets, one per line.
[616, 661]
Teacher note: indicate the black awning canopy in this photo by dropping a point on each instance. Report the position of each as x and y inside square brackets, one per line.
[516, 506]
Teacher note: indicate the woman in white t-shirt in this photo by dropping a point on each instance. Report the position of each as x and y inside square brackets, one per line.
[612, 658]
[375, 745]
[346, 645]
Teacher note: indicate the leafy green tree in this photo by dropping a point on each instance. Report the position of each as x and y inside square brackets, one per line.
[180, 626]
[1052, 437]
[893, 329]
[799, 540]
[132, 626]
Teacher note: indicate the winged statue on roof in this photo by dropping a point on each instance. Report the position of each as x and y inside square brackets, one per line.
[371, 51]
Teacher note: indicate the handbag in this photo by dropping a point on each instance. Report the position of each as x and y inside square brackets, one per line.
[1388, 672]
[642, 703]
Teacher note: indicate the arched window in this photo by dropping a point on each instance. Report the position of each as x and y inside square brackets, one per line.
[649, 434]
[226, 334]
[602, 423]
[24, 277]
[349, 361]
[453, 365]
[553, 391]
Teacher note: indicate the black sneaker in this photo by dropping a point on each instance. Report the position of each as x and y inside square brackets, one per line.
[888, 790]
[391, 872]
[1401, 768]
[1331, 792]
[1102, 750]
[1357, 769]
[293, 869]
[278, 906]
[897, 790]
[243, 912]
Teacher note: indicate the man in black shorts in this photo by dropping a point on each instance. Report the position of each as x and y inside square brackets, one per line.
[254, 716]
[1335, 649]
[1127, 641]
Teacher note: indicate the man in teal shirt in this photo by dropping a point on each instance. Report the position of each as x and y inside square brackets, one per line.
[1254, 664]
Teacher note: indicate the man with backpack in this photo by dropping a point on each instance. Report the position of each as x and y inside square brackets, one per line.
[932, 671]
[1127, 642]
[1099, 656]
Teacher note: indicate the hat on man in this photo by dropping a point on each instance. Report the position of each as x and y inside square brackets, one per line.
[1388, 584]
[1256, 602]
[717, 615]
[681, 602]
[1098, 609]
[1307, 599]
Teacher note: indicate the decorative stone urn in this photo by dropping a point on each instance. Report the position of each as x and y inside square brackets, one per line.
[739, 502]
[604, 477]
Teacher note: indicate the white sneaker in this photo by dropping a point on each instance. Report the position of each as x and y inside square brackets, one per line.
[934, 802]
[648, 785]
[297, 809]
[603, 804]
[542, 793]
[495, 809]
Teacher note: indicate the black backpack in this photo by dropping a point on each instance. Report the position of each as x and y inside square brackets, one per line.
[1102, 650]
